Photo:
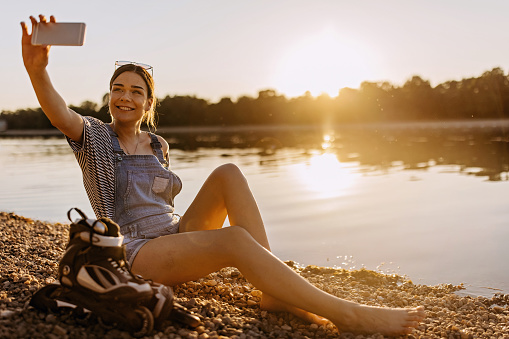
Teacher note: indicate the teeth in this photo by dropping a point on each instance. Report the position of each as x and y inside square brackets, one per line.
[125, 108]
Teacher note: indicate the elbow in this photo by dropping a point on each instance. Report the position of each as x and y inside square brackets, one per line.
[59, 124]
[71, 128]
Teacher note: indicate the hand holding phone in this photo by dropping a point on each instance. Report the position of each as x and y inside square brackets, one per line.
[59, 33]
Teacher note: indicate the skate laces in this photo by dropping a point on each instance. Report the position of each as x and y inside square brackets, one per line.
[119, 266]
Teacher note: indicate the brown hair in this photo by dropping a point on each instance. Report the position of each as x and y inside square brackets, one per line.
[150, 116]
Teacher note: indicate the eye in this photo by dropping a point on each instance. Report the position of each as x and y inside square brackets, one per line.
[116, 89]
[137, 92]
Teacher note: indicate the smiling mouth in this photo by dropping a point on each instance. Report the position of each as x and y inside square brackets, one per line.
[123, 108]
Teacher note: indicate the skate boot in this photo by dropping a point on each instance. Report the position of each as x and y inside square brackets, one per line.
[163, 307]
[94, 261]
[94, 275]
[95, 281]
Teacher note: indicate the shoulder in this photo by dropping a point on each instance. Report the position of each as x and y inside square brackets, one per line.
[96, 129]
[94, 124]
[95, 133]
[164, 144]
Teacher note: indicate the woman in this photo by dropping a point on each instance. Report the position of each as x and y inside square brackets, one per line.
[124, 181]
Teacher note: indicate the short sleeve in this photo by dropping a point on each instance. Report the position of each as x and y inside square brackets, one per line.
[76, 146]
[95, 156]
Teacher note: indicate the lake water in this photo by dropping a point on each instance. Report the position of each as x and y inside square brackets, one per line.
[432, 206]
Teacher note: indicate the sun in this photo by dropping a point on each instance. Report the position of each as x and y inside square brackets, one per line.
[322, 63]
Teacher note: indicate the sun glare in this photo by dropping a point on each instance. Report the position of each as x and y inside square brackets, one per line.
[325, 175]
[321, 64]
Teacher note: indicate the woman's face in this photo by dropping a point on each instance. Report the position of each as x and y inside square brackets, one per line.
[129, 97]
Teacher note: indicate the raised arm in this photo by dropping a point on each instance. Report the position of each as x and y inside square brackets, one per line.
[35, 59]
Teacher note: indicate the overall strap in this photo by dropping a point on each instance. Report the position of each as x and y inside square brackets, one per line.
[114, 140]
[158, 149]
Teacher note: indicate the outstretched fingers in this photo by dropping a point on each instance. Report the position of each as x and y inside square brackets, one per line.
[24, 28]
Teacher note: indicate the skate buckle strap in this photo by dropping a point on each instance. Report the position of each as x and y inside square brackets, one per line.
[101, 240]
[133, 229]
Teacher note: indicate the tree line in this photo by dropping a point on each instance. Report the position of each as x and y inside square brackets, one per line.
[483, 97]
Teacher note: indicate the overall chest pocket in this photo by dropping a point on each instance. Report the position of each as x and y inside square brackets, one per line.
[148, 192]
[160, 184]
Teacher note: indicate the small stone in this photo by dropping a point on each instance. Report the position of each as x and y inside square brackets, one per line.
[286, 327]
[256, 293]
[50, 318]
[464, 335]
[6, 313]
[200, 329]
[498, 309]
[59, 331]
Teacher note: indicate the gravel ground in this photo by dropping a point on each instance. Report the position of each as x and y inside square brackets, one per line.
[227, 304]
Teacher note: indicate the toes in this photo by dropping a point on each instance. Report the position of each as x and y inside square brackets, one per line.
[412, 324]
[420, 310]
[415, 317]
[417, 312]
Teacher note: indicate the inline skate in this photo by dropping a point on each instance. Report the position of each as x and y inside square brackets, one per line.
[95, 280]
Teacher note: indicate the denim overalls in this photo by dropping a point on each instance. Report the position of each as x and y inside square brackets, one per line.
[144, 193]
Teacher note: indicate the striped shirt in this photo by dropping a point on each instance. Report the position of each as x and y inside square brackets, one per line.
[96, 159]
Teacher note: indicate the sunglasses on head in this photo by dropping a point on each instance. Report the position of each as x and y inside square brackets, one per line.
[146, 67]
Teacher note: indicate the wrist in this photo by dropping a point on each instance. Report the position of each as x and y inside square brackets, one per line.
[36, 74]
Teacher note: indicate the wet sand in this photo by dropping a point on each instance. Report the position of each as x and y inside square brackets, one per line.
[227, 304]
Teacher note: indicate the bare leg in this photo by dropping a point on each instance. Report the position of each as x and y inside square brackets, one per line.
[188, 256]
[226, 192]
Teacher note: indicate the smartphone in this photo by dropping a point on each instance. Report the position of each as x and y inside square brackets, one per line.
[59, 33]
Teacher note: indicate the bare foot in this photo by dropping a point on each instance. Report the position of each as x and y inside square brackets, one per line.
[387, 321]
[271, 304]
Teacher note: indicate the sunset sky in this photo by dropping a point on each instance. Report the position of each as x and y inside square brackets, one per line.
[213, 49]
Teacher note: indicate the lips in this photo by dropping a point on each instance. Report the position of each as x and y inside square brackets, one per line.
[123, 108]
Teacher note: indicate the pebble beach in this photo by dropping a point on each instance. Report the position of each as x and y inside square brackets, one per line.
[226, 303]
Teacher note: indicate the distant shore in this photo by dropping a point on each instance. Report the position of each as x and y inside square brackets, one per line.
[490, 124]
[227, 304]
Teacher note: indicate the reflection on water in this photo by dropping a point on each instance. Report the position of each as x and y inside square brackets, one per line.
[478, 151]
[324, 175]
[390, 200]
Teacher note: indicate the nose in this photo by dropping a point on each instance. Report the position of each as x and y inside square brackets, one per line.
[125, 96]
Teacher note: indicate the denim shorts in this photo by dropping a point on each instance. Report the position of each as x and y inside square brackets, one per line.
[138, 234]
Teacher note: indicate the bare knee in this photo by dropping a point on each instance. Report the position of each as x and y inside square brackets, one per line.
[228, 173]
[236, 239]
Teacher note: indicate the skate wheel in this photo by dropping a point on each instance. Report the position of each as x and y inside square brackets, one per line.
[107, 325]
[147, 321]
[45, 298]
[80, 316]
